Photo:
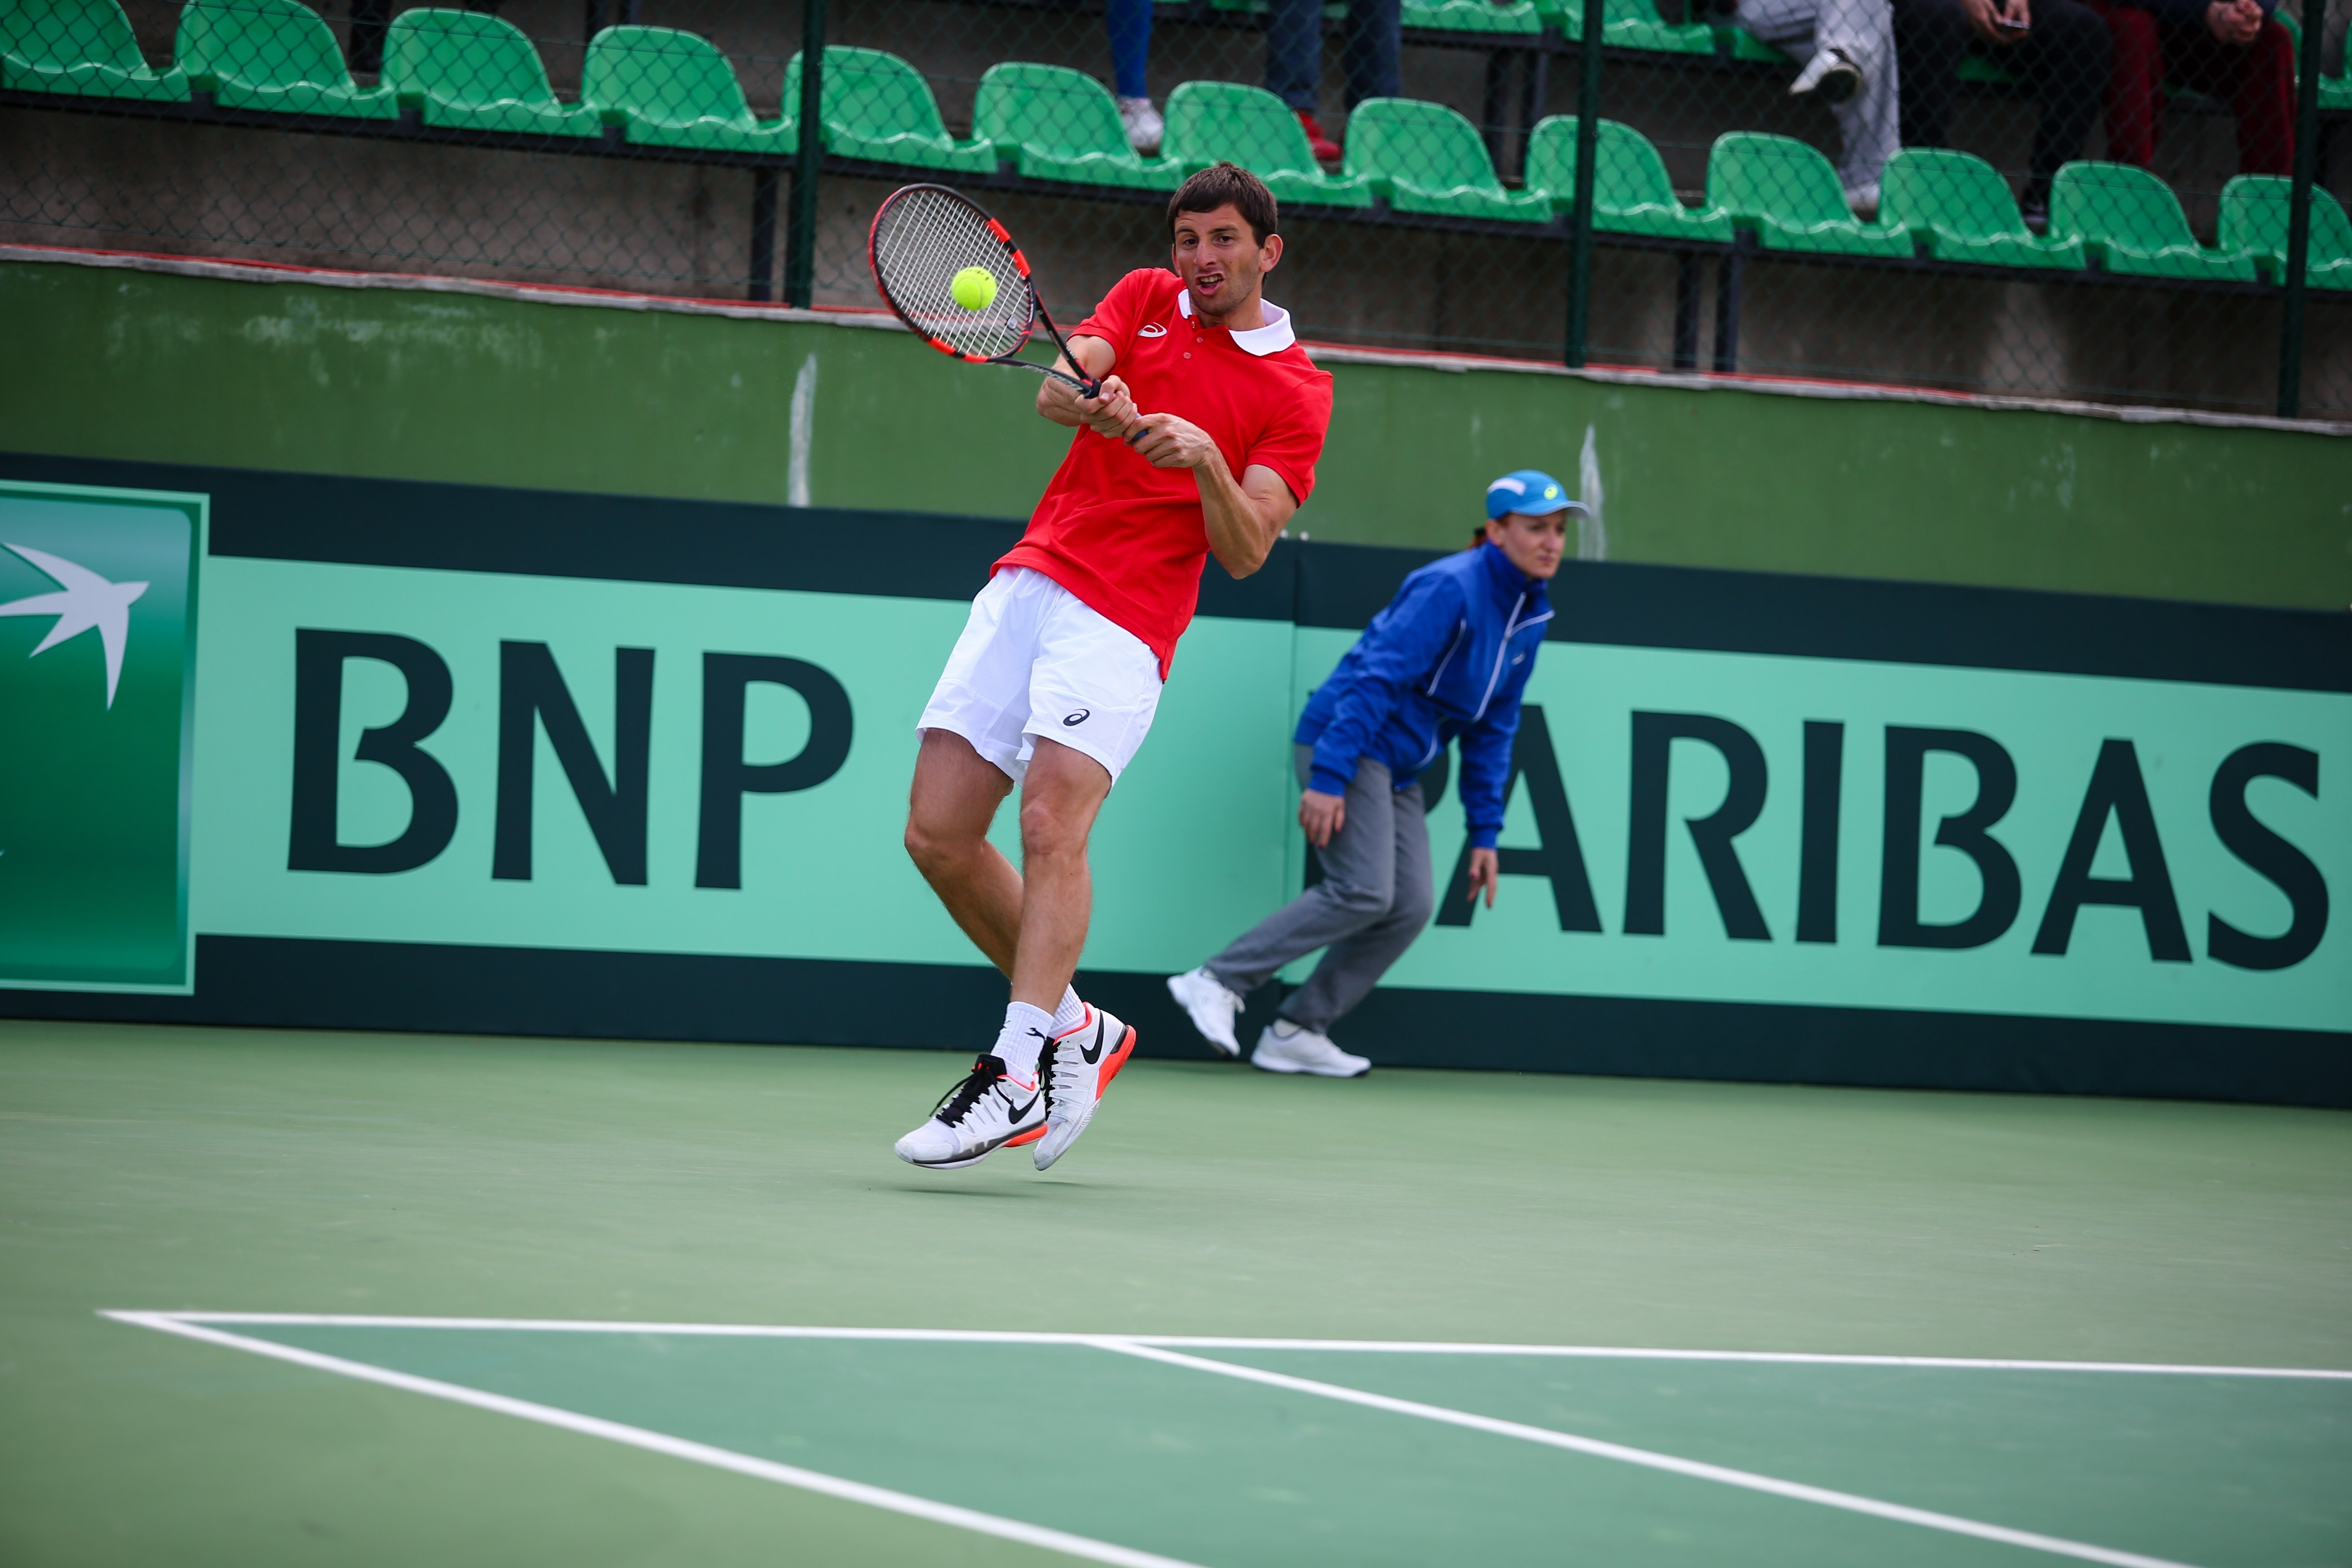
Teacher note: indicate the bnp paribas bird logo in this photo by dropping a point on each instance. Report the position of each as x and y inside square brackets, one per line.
[97, 616]
[88, 604]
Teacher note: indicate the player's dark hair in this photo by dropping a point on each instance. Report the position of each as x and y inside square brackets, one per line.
[1214, 187]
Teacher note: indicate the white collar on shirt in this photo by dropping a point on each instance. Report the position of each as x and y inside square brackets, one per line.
[1270, 339]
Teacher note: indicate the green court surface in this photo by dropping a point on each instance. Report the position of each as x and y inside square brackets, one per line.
[396, 1299]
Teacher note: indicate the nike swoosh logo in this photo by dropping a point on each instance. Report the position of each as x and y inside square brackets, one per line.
[1094, 1054]
[1020, 1111]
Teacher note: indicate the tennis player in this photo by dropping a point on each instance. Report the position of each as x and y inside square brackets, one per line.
[1202, 442]
[1450, 657]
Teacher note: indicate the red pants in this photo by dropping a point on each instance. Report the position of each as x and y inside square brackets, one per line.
[2257, 81]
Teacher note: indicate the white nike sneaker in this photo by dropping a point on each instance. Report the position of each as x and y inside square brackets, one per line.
[1831, 76]
[979, 1115]
[1142, 123]
[1212, 1007]
[1304, 1050]
[1075, 1068]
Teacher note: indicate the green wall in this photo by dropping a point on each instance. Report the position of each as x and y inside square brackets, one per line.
[101, 362]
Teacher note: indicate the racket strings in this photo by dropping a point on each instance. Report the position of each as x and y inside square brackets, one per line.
[922, 238]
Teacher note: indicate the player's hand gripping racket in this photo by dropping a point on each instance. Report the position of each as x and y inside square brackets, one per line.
[952, 274]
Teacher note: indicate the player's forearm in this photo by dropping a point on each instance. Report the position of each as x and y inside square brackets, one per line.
[1241, 530]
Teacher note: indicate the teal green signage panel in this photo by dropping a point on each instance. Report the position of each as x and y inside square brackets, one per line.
[97, 693]
[484, 760]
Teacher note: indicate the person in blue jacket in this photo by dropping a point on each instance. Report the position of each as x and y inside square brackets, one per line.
[1446, 660]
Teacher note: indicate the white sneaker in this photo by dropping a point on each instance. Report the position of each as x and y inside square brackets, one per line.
[1144, 126]
[1304, 1050]
[1077, 1067]
[1831, 76]
[1212, 1007]
[1864, 201]
[979, 1115]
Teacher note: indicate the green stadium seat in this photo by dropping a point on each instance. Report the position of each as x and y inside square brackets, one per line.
[1962, 208]
[275, 55]
[1520, 17]
[1788, 195]
[1060, 124]
[670, 89]
[1427, 159]
[2131, 221]
[2336, 91]
[2254, 211]
[83, 47]
[1210, 121]
[1631, 192]
[470, 71]
[1986, 72]
[1739, 44]
[876, 106]
[1634, 25]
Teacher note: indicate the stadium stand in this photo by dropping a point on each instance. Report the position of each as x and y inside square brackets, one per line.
[2130, 222]
[80, 47]
[274, 55]
[470, 71]
[2254, 220]
[1958, 207]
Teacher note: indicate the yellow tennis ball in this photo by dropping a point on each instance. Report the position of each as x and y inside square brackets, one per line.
[974, 288]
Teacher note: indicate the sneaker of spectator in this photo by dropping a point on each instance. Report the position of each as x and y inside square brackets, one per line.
[1326, 149]
[1144, 125]
[1830, 77]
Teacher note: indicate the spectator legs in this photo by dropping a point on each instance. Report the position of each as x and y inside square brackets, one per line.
[1130, 23]
[1869, 128]
[2066, 59]
[1294, 52]
[1930, 38]
[1369, 51]
[2258, 80]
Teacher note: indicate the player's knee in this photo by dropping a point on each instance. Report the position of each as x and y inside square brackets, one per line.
[1412, 906]
[1359, 897]
[1050, 829]
[930, 847]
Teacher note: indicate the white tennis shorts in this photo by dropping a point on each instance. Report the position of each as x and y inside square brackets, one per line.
[1036, 661]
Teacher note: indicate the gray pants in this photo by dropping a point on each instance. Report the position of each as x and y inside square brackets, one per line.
[1373, 899]
[1865, 29]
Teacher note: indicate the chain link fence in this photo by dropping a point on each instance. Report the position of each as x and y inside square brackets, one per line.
[2077, 198]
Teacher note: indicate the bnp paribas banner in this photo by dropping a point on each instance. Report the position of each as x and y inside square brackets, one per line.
[449, 758]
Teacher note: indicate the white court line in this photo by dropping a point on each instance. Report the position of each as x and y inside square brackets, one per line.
[1693, 1468]
[676, 1448]
[1209, 1342]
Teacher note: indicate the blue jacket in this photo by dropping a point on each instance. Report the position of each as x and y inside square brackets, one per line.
[1448, 658]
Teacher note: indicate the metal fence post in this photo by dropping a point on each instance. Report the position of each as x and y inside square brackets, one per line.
[2298, 222]
[1588, 147]
[800, 242]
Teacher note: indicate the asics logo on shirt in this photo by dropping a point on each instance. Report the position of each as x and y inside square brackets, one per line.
[1152, 330]
[1080, 717]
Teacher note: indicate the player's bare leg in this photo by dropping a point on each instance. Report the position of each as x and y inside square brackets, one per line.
[954, 800]
[1060, 799]
[1039, 1097]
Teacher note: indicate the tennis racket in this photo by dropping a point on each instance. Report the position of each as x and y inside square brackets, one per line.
[922, 237]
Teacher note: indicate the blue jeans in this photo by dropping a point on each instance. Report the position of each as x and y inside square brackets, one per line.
[1129, 22]
[1294, 50]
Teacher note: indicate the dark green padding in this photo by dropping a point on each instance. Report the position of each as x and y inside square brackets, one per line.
[275, 55]
[1633, 24]
[1962, 208]
[1631, 192]
[1427, 159]
[1520, 17]
[2254, 213]
[1210, 121]
[2130, 220]
[1789, 194]
[671, 88]
[83, 47]
[1061, 124]
[879, 107]
[470, 71]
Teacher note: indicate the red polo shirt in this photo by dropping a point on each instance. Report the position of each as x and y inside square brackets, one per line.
[1127, 538]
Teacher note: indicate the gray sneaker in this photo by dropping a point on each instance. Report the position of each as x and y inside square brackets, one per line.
[1831, 76]
[1304, 1050]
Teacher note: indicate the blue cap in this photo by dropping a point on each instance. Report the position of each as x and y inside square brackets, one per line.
[1530, 490]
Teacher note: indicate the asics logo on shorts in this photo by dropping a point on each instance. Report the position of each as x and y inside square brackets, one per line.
[1080, 717]
[1152, 330]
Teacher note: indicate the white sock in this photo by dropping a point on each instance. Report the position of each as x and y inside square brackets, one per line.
[1022, 1037]
[1071, 1013]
